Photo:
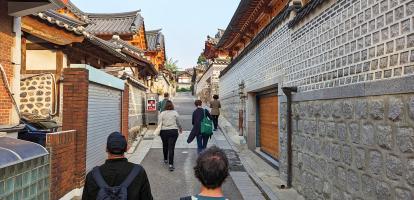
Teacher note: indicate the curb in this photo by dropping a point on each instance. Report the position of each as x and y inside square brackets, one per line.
[267, 192]
[137, 141]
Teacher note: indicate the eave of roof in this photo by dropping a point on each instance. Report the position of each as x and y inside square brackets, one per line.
[240, 19]
[302, 12]
[69, 24]
[260, 37]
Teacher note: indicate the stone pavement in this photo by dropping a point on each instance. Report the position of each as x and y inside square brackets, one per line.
[264, 175]
[181, 182]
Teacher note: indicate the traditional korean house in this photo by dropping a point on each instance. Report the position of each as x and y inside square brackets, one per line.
[10, 36]
[156, 48]
[216, 61]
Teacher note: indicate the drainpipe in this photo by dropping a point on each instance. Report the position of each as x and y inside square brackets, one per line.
[288, 92]
[16, 63]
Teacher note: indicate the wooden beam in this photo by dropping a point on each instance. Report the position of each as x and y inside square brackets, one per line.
[41, 46]
[59, 64]
[48, 32]
[23, 56]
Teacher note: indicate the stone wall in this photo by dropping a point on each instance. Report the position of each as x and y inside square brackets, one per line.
[352, 148]
[37, 94]
[137, 98]
[230, 106]
[351, 42]
[6, 44]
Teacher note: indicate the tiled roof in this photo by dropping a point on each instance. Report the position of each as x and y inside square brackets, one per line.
[305, 11]
[155, 39]
[76, 11]
[116, 40]
[127, 23]
[110, 47]
[63, 21]
[214, 40]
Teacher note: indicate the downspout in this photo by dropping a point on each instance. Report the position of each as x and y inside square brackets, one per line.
[288, 92]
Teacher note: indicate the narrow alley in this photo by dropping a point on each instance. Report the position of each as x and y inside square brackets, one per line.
[182, 182]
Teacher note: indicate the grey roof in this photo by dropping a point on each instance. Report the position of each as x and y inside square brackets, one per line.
[214, 40]
[155, 39]
[127, 23]
[62, 21]
[125, 44]
[13, 151]
[110, 47]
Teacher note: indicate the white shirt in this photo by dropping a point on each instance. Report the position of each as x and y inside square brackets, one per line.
[169, 120]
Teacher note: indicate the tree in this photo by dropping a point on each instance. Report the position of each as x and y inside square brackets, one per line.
[201, 59]
[171, 65]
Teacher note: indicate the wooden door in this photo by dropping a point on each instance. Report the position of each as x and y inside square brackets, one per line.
[269, 132]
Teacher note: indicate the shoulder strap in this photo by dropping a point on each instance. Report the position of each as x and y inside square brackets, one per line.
[186, 198]
[204, 112]
[96, 174]
[134, 173]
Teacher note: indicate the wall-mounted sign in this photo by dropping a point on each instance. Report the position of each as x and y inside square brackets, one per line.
[151, 104]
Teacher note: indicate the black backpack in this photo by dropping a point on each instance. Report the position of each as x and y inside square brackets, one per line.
[117, 192]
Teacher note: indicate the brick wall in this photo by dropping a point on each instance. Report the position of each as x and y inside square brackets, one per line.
[62, 149]
[125, 112]
[75, 115]
[6, 38]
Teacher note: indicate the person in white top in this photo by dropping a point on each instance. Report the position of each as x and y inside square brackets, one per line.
[170, 127]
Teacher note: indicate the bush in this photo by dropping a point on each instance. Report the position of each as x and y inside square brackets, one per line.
[183, 90]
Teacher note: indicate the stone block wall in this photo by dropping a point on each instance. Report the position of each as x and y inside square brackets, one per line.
[230, 106]
[6, 44]
[353, 148]
[62, 151]
[37, 95]
[346, 42]
[136, 116]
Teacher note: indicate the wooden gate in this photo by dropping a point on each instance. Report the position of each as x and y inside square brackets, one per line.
[269, 132]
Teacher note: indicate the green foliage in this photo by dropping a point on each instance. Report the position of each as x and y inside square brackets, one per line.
[172, 65]
[183, 90]
[201, 59]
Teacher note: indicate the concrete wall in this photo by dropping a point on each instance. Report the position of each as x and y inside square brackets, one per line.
[41, 60]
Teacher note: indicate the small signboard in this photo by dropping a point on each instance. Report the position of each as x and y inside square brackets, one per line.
[151, 104]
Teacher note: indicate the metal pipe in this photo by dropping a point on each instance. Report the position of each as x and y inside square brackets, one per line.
[288, 92]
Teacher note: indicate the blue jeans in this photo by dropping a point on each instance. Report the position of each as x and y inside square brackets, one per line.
[201, 143]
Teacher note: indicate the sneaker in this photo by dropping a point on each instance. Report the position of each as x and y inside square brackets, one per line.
[165, 161]
[171, 168]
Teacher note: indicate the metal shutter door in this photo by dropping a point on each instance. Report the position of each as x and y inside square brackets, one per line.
[269, 136]
[104, 117]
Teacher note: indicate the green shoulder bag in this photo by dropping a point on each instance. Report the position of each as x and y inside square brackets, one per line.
[206, 126]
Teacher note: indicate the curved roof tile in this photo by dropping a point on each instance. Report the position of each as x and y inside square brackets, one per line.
[155, 39]
[126, 23]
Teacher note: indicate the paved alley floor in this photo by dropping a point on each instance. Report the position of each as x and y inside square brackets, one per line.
[181, 182]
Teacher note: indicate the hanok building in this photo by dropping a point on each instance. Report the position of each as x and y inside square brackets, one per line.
[326, 87]
[10, 48]
[217, 60]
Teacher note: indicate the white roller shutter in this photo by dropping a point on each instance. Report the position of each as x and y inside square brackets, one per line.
[104, 117]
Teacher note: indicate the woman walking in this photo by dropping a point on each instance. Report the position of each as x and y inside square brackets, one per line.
[198, 115]
[170, 127]
[215, 110]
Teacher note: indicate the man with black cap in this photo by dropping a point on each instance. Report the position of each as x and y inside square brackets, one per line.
[117, 178]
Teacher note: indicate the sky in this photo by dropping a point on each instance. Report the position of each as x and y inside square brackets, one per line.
[185, 23]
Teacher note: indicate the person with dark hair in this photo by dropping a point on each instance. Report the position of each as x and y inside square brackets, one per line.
[117, 178]
[198, 115]
[170, 126]
[212, 169]
[161, 104]
[215, 110]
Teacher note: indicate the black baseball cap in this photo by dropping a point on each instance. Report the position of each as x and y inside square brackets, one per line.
[116, 143]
